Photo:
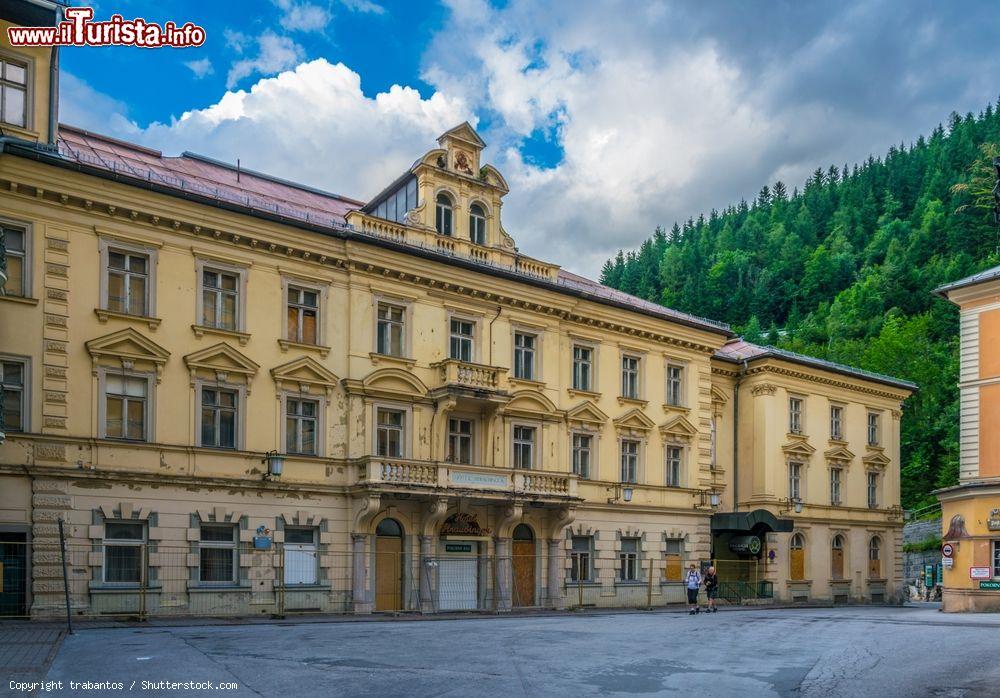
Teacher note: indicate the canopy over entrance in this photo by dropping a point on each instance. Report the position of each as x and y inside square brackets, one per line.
[749, 520]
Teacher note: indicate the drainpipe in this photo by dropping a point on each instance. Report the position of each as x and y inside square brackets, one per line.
[493, 451]
[736, 437]
[54, 92]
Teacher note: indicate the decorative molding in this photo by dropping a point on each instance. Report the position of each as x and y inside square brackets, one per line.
[763, 389]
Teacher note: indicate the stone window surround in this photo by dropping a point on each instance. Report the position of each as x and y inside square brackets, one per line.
[123, 512]
[538, 332]
[222, 382]
[322, 405]
[594, 347]
[640, 357]
[106, 244]
[673, 442]
[128, 370]
[683, 538]
[640, 465]
[673, 362]
[218, 515]
[488, 211]
[803, 476]
[25, 362]
[478, 442]
[593, 573]
[477, 332]
[643, 559]
[802, 413]
[594, 432]
[325, 560]
[29, 245]
[204, 262]
[539, 427]
[288, 279]
[407, 410]
[407, 306]
[29, 89]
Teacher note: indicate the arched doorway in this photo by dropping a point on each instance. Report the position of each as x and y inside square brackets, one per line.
[797, 558]
[837, 558]
[388, 566]
[524, 566]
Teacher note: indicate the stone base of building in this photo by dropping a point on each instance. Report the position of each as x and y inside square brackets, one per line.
[970, 601]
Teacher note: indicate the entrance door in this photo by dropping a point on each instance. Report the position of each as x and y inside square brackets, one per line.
[14, 568]
[458, 577]
[524, 566]
[837, 561]
[388, 566]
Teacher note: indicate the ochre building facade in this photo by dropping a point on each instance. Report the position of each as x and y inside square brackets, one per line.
[205, 364]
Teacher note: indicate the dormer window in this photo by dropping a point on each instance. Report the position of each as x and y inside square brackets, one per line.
[477, 224]
[444, 210]
[13, 93]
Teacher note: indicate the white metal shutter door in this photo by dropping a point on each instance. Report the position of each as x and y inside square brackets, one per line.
[458, 584]
[300, 564]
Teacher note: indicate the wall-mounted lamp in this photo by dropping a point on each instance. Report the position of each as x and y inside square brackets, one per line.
[275, 463]
[791, 504]
[621, 493]
[710, 498]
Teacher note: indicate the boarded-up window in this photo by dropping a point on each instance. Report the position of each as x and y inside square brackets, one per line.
[674, 564]
[837, 558]
[797, 558]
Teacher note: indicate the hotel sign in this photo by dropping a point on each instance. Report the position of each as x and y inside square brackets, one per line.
[993, 523]
[992, 584]
[472, 479]
[462, 524]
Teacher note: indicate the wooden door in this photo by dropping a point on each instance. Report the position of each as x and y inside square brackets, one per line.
[874, 569]
[524, 573]
[388, 573]
[837, 564]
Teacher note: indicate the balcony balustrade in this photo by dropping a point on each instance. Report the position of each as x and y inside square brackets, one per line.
[470, 375]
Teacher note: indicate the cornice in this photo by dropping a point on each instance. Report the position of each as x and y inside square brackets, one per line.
[814, 378]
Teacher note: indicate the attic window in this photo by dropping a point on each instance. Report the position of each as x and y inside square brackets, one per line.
[477, 224]
[443, 215]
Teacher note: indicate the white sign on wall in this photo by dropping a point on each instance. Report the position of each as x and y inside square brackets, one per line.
[464, 477]
[980, 573]
[947, 563]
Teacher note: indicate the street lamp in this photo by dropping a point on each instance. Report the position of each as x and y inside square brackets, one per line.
[275, 463]
[620, 494]
[791, 504]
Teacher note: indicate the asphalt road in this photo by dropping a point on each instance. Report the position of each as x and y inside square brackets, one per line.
[853, 651]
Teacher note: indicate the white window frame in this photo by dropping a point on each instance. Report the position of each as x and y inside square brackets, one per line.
[638, 459]
[232, 545]
[404, 440]
[795, 480]
[681, 383]
[25, 390]
[574, 557]
[439, 214]
[29, 90]
[108, 245]
[320, 402]
[874, 424]
[287, 284]
[535, 353]
[535, 444]
[407, 315]
[638, 376]
[591, 368]
[241, 411]
[303, 550]
[873, 485]
[837, 422]
[473, 427]
[473, 339]
[628, 560]
[796, 416]
[482, 221]
[203, 264]
[679, 461]
[149, 418]
[836, 485]
[27, 230]
[125, 543]
[590, 450]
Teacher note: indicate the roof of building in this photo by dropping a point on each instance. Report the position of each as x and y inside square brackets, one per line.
[739, 350]
[986, 275]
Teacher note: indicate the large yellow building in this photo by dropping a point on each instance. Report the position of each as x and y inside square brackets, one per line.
[970, 511]
[199, 359]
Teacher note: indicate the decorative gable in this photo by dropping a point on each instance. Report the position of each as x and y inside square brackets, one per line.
[634, 421]
[798, 449]
[463, 146]
[126, 346]
[839, 455]
[876, 460]
[586, 414]
[678, 429]
[305, 375]
[218, 362]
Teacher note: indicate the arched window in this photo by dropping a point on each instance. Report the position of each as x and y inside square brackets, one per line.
[389, 527]
[875, 558]
[477, 224]
[837, 557]
[523, 532]
[444, 210]
[797, 557]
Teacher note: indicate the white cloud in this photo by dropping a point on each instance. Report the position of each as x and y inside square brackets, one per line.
[275, 54]
[82, 106]
[200, 67]
[303, 16]
[312, 125]
[366, 6]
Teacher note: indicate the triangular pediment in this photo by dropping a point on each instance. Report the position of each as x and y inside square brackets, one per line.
[839, 453]
[127, 344]
[679, 427]
[304, 369]
[221, 357]
[463, 132]
[588, 413]
[394, 381]
[799, 448]
[634, 419]
[876, 459]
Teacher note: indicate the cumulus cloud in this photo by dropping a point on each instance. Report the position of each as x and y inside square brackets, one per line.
[201, 67]
[303, 16]
[274, 54]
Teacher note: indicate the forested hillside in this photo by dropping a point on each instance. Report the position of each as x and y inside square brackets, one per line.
[843, 269]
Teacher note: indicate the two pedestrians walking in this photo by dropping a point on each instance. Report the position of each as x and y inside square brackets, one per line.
[693, 582]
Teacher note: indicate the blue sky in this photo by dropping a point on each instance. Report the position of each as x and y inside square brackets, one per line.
[607, 118]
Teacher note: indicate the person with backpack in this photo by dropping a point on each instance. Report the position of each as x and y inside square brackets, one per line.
[693, 583]
[711, 589]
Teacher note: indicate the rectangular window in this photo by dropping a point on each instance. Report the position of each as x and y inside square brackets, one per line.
[674, 454]
[389, 433]
[628, 560]
[675, 385]
[460, 440]
[219, 299]
[835, 475]
[125, 407]
[630, 377]
[302, 315]
[996, 558]
[630, 460]
[836, 422]
[128, 282]
[873, 429]
[13, 93]
[524, 356]
[673, 568]
[795, 415]
[123, 551]
[713, 441]
[794, 481]
[463, 333]
[301, 560]
[301, 426]
[872, 490]
[219, 415]
[583, 368]
[582, 445]
[524, 447]
[15, 243]
[389, 339]
[217, 554]
[580, 559]
[14, 374]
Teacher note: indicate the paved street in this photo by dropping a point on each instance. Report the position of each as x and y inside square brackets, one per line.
[810, 652]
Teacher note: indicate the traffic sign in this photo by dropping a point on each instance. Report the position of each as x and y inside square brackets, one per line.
[947, 549]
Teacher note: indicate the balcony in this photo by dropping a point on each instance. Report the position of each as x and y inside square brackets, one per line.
[469, 376]
[397, 474]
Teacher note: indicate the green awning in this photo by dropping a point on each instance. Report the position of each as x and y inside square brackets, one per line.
[748, 520]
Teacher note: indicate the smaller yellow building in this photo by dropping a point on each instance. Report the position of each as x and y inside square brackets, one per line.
[971, 510]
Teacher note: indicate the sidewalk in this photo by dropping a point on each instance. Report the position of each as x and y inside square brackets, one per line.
[27, 648]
